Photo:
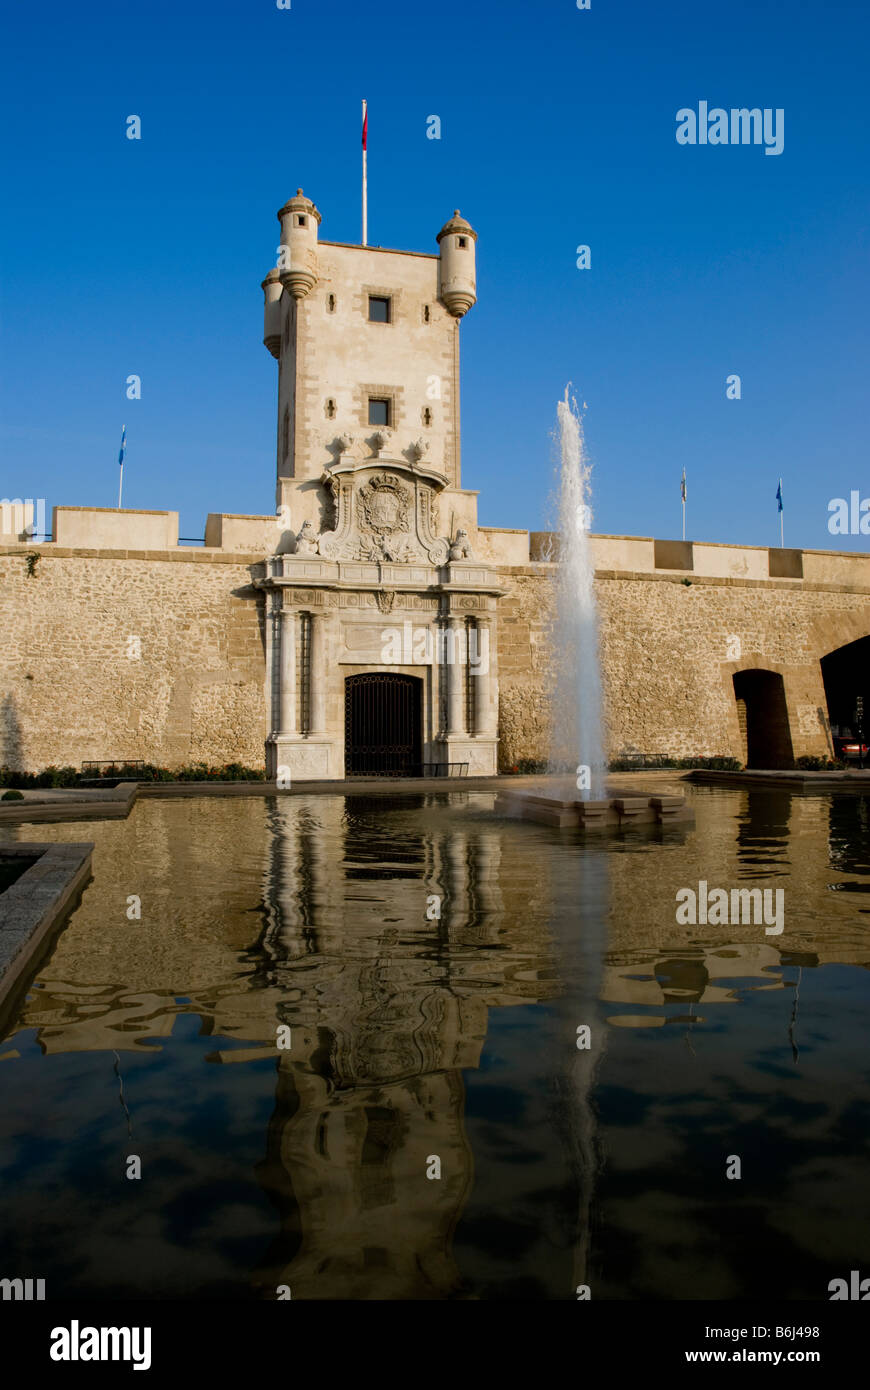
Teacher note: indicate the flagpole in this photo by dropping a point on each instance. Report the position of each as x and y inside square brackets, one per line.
[121, 462]
[684, 518]
[781, 518]
[365, 188]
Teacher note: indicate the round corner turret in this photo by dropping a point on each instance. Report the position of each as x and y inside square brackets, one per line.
[458, 280]
[272, 291]
[297, 253]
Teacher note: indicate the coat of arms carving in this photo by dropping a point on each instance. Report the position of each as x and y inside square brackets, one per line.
[383, 519]
[383, 505]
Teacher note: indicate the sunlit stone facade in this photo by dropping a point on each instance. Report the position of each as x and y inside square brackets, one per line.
[378, 569]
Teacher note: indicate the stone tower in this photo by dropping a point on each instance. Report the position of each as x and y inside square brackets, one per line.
[370, 498]
[367, 345]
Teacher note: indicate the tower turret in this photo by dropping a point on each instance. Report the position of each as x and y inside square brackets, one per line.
[297, 257]
[272, 291]
[458, 280]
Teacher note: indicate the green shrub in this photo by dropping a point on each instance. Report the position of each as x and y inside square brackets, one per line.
[205, 772]
[126, 772]
[809, 762]
[149, 773]
[9, 777]
[12, 796]
[716, 764]
[190, 772]
[57, 777]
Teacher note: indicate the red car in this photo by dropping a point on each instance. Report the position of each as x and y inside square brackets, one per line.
[850, 750]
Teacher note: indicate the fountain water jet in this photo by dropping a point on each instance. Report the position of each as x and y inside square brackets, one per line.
[576, 738]
[580, 799]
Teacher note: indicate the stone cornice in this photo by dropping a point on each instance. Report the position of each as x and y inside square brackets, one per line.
[314, 572]
[352, 466]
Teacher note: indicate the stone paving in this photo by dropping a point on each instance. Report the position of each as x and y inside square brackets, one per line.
[36, 902]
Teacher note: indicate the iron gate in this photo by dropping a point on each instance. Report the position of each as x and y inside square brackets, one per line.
[382, 721]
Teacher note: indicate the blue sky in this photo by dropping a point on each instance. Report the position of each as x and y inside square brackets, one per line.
[558, 128]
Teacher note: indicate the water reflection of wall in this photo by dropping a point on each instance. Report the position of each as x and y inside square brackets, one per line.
[200, 867]
[770, 839]
[113, 982]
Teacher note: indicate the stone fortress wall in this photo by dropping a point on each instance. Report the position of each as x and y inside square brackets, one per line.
[671, 640]
[119, 643]
[117, 652]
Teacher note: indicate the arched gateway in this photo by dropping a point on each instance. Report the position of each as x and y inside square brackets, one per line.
[762, 716]
[846, 676]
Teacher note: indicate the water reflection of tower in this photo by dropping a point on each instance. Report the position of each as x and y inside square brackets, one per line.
[386, 1011]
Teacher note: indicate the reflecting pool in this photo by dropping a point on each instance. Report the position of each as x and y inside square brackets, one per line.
[434, 1131]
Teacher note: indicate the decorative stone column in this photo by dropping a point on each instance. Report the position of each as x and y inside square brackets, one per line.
[481, 678]
[305, 755]
[287, 699]
[455, 677]
[478, 746]
[317, 675]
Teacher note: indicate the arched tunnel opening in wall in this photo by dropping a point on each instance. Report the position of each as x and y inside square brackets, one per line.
[762, 714]
[846, 676]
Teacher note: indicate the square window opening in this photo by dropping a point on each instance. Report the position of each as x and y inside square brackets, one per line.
[379, 309]
[379, 411]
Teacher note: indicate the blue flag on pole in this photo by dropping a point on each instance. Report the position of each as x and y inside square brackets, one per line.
[123, 448]
[779, 496]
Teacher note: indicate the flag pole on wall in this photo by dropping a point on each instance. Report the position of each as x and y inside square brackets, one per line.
[365, 189]
[779, 505]
[121, 454]
[683, 501]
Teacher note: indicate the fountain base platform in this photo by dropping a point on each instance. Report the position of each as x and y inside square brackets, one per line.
[561, 806]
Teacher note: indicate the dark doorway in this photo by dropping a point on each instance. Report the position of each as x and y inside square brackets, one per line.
[382, 724]
[762, 714]
[846, 674]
